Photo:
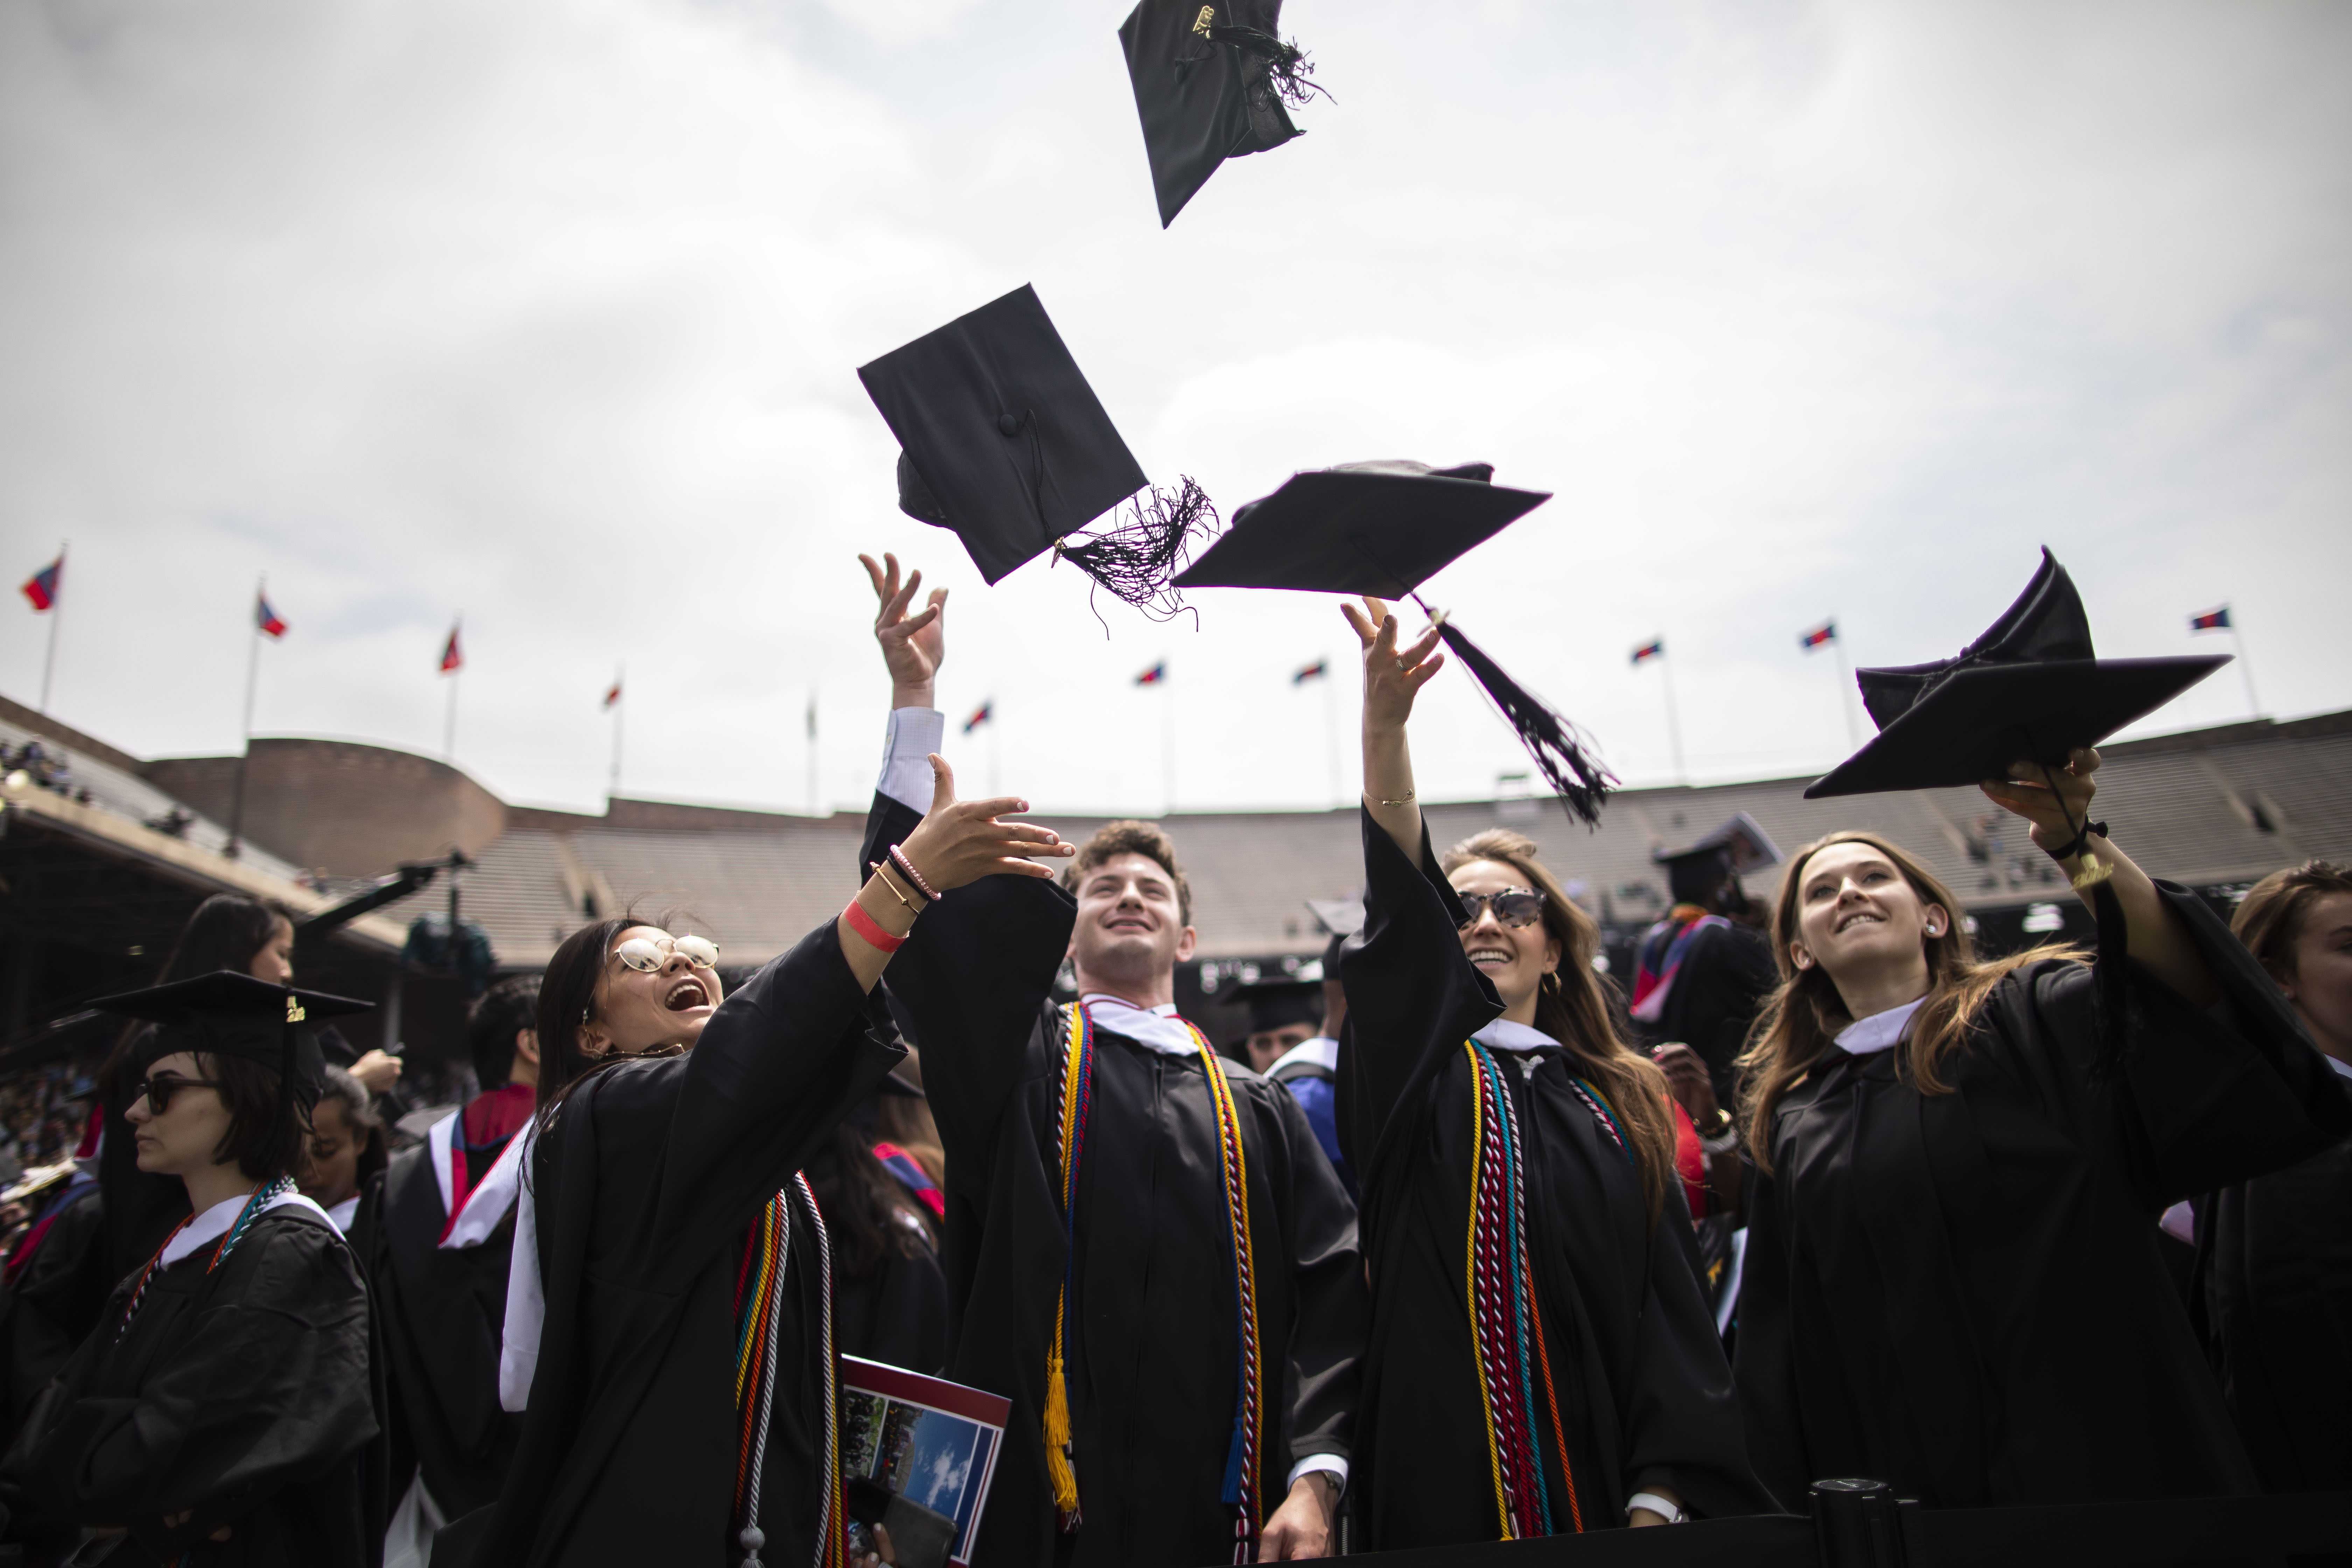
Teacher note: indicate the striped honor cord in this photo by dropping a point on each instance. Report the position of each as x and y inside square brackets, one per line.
[262, 1197]
[1242, 1488]
[759, 1313]
[1070, 1138]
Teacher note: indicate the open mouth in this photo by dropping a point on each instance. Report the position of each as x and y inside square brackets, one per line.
[1860, 916]
[1493, 957]
[1131, 926]
[686, 995]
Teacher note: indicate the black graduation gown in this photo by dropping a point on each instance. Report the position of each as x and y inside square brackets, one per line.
[1151, 1349]
[243, 1394]
[896, 1313]
[1961, 1294]
[53, 1303]
[2274, 1276]
[443, 1310]
[1646, 1393]
[646, 1183]
[1724, 977]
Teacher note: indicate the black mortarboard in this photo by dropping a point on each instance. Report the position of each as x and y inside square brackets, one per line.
[1277, 1003]
[1210, 84]
[1005, 443]
[2030, 688]
[1731, 849]
[1383, 529]
[231, 1014]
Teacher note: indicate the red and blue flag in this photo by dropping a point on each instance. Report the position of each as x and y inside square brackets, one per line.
[1154, 675]
[1655, 648]
[265, 619]
[1315, 671]
[452, 661]
[611, 692]
[980, 716]
[1820, 636]
[41, 587]
[2217, 620]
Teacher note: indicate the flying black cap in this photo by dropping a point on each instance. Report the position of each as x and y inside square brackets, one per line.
[1211, 81]
[2030, 688]
[1006, 444]
[1277, 1003]
[1382, 529]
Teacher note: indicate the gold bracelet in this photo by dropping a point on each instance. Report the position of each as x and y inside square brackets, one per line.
[1406, 800]
[883, 872]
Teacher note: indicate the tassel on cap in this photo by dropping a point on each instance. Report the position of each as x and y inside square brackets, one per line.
[1289, 72]
[1140, 556]
[1559, 748]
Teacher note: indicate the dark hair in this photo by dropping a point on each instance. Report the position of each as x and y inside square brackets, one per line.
[1804, 1013]
[2270, 922]
[867, 1211]
[498, 1014]
[1144, 838]
[263, 1148]
[359, 1109]
[226, 931]
[1573, 1006]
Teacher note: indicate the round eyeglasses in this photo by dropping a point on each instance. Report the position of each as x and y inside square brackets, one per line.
[647, 955]
[1515, 907]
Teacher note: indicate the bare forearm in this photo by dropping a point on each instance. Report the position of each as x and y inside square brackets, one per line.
[1388, 788]
[2156, 937]
[885, 905]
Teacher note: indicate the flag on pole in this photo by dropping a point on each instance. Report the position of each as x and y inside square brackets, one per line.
[1315, 671]
[1820, 636]
[41, 587]
[611, 692]
[980, 716]
[452, 661]
[1154, 675]
[265, 619]
[1655, 648]
[2215, 620]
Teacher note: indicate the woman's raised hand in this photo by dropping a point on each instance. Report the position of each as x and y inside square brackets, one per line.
[1392, 676]
[2056, 800]
[961, 841]
[914, 646]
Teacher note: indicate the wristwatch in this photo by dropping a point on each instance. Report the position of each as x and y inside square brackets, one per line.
[1672, 1513]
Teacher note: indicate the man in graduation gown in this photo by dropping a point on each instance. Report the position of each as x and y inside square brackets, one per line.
[1151, 1340]
[438, 1235]
[1703, 971]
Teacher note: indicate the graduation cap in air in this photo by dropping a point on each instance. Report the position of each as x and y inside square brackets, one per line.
[1005, 443]
[2030, 688]
[231, 1014]
[1734, 848]
[1280, 1003]
[1210, 82]
[1382, 529]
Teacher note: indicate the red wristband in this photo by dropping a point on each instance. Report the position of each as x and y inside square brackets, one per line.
[867, 927]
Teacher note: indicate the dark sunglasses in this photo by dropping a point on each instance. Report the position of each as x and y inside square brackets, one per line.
[1517, 907]
[159, 1090]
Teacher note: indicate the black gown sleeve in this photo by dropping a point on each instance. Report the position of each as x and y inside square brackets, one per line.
[1764, 1361]
[1326, 1347]
[270, 1386]
[974, 972]
[1412, 995]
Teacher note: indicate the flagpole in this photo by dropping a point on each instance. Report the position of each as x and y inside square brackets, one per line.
[2245, 667]
[620, 700]
[811, 752]
[1167, 748]
[449, 727]
[245, 757]
[56, 613]
[1845, 690]
[1674, 722]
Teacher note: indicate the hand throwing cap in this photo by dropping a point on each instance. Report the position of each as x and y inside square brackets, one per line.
[1006, 444]
[2030, 688]
[1383, 529]
[1211, 81]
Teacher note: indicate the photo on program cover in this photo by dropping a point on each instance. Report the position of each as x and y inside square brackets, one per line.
[928, 1441]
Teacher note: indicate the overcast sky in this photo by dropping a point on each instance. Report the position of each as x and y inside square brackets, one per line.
[547, 312]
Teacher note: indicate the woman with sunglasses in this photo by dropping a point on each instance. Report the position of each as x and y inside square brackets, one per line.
[669, 1327]
[1542, 1361]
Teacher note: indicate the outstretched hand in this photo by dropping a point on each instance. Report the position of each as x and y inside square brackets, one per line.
[959, 842]
[913, 647]
[2050, 797]
[1393, 676]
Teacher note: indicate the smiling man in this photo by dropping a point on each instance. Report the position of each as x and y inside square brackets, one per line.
[1121, 1327]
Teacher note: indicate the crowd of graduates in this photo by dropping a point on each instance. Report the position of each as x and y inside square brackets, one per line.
[1467, 1245]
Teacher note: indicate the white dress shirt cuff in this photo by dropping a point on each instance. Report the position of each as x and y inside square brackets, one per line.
[906, 747]
[1313, 1462]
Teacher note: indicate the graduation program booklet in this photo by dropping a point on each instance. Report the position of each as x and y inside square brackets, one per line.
[930, 1441]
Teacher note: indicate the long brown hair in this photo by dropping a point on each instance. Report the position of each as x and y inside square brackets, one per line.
[2270, 921]
[1804, 1013]
[1573, 1007]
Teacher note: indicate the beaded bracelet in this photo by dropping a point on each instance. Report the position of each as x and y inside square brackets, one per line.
[898, 858]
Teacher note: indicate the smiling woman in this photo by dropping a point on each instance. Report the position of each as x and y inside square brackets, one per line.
[1953, 1281]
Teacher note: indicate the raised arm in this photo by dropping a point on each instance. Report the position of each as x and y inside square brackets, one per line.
[2057, 801]
[1393, 679]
